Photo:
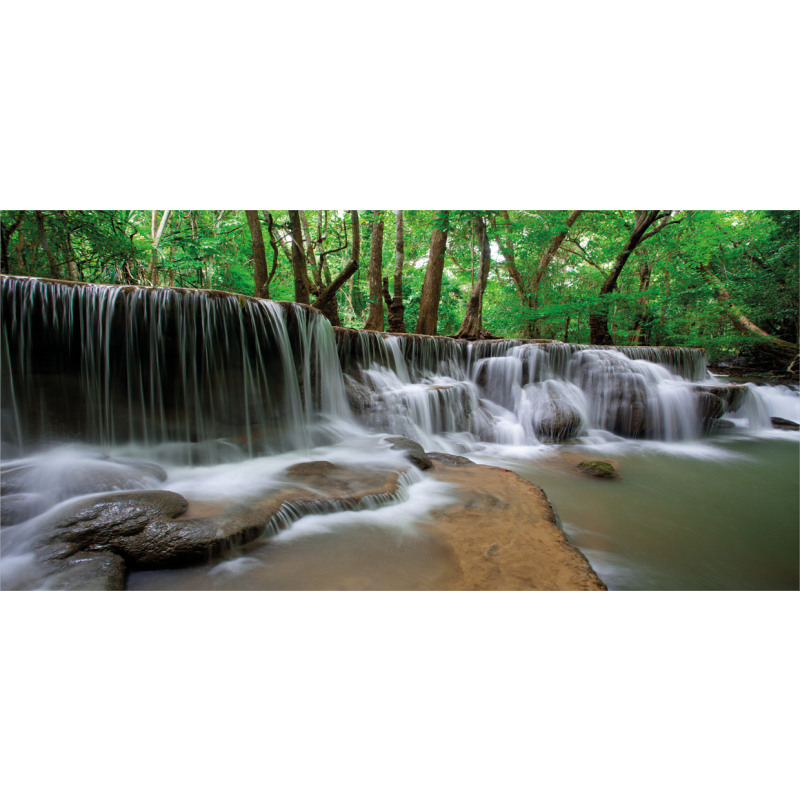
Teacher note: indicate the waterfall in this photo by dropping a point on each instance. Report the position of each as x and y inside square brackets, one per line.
[198, 377]
[517, 392]
[201, 377]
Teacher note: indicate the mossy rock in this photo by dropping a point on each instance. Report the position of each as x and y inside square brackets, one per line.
[597, 469]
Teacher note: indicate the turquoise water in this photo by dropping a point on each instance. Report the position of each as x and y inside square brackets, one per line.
[723, 515]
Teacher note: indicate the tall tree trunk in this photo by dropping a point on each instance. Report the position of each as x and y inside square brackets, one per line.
[54, 273]
[326, 301]
[156, 237]
[72, 267]
[302, 289]
[642, 316]
[7, 233]
[432, 285]
[395, 302]
[375, 317]
[541, 269]
[19, 248]
[322, 235]
[781, 351]
[311, 260]
[473, 318]
[260, 271]
[506, 246]
[598, 321]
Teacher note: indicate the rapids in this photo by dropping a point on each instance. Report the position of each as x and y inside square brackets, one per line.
[223, 392]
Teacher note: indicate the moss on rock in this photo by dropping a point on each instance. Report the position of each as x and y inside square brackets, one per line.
[597, 469]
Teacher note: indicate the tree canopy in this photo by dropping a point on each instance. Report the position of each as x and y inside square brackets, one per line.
[723, 280]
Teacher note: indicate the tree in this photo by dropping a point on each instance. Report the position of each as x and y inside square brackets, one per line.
[598, 321]
[783, 352]
[156, 234]
[528, 286]
[302, 289]
[260, 271]
[394, 302]
[7, 232]
[45, 245]
[375, 317]
[325, 301]
[432, 287]
[473, 318]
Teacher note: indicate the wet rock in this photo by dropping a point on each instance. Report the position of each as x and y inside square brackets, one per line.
[555, 416]
[619, 391]
[784, 424]
[413, 451]
[449, 459]
[597, 469]
[102, 521]
[165, 542]
[103, 571]
[562, 424]
[712, 425]
[325, 487]
[710, 406]
[146, 529]
[727, 396]
[321, 477]
[358, 395]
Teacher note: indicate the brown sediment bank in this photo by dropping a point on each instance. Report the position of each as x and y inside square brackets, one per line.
[504, 535]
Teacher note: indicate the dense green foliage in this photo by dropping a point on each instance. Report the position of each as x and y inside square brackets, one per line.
[663, 296]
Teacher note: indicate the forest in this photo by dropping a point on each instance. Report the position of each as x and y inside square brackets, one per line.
[722, 280]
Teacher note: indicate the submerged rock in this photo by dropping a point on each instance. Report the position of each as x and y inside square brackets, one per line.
[597, 469]
[59, 479]
[449, 459]
[17, 508]
[103, 571]
[713, 425]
